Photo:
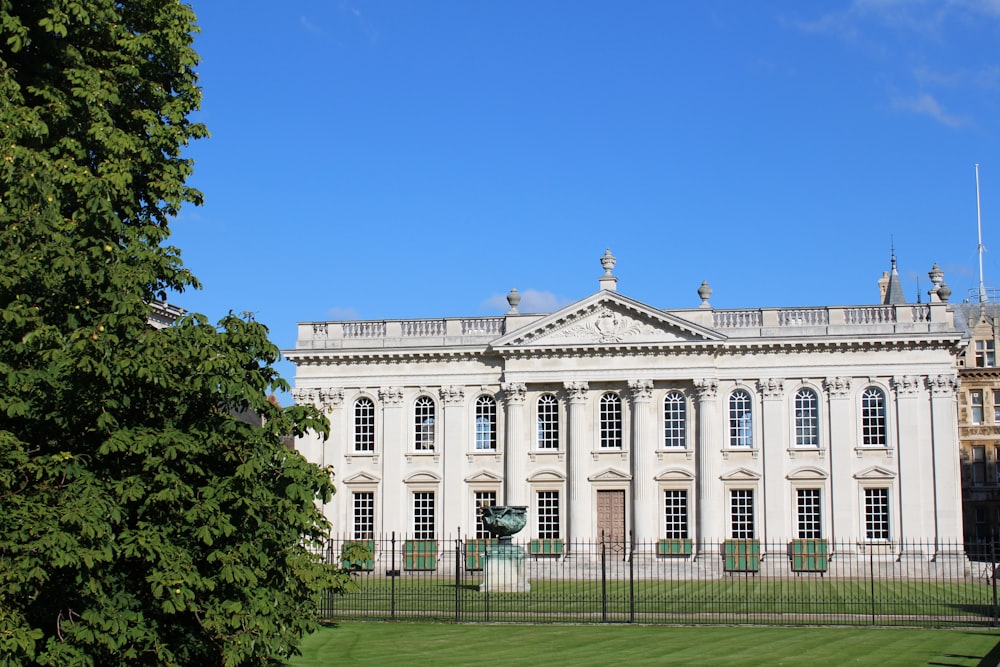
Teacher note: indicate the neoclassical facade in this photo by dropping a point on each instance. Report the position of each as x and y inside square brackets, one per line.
[612, 418]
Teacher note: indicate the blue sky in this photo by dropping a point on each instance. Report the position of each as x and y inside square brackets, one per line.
[401, 159]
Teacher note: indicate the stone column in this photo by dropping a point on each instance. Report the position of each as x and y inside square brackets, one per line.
[331, 402]
[643, 455]
[772, 446]
[577, 451]
[516, 446]
[710, 501]
[451, 493]
[393, 447]
[843, 439]
[916, 523]
[947, 475]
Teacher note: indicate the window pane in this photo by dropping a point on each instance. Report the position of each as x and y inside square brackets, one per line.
[741, 512]
[979, 465]
[611, 421]
[877, 514]
[806, 418]
[486, 423]
[873, 425]
[483, 499]
[809, 516]
[364, 515]
[548, 422]
[548, 514]
[423, 423]
[740, 419]
[423, 515]
[674, 420]
[364, 425]
[976, 403]
[675, 505]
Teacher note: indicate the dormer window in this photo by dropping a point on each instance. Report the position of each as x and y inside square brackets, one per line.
[986, 355]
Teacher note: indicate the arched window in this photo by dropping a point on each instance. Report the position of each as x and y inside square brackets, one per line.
[806, 418]
[611, 421]
[674, 420]
[873, 420]
[364, 425]
[740, 419]
[548, 422]
[423, 423]
[486, 423]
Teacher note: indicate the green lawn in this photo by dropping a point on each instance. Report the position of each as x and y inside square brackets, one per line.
[469, 644]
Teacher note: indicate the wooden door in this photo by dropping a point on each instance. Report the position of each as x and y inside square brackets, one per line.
[611, 519]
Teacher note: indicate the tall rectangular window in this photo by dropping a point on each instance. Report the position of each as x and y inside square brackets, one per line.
[978, 465]
[976, 406]
[364, 425]
[548, 422]
[809, 514]
[486, 423]
[423, 515]
[675, 510]
[611, 421]
[806, 418]
[877, 514]
[986, 355]
[874, 430]
[423, 423]
[996, 464]
[996, 406]
[741, 513]
[548, 514]
[674, 420]
[364, 515]
[740, 419]
[483, 499]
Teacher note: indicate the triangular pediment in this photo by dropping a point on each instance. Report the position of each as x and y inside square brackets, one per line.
[483, 477]
[608, 318]
[362, 478]
[807, 474]
[675, 475]
[547, 476]
[741, 475]
[875, 473]
[610, 475]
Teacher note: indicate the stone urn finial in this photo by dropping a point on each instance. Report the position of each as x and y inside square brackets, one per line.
[944, 292]
[513, 299]
[705, 293]
[608, 261]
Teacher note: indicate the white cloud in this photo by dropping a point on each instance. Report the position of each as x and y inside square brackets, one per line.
[310, 26]
[925, 104]
[532, 301]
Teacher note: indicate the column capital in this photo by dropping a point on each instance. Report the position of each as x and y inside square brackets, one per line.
[771, 388]
[391, 396]
[330, 398]
[642, 390]
[453, 394]
[577, 391]
[707, 388]
[514, 392]
[837, 387]
[906, 385]
[942, 385]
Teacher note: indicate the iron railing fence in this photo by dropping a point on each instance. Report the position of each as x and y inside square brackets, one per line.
[795, 582]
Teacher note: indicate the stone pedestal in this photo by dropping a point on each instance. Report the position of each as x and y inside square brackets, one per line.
[504, 570]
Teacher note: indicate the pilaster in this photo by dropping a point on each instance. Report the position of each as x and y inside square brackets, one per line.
[645, 508]
[577, 451]
[947, 475]
[710, 500]
[516, 446]
[392, 446]
[911, 452]
[773, 446]
[452, 491]
[843, 438]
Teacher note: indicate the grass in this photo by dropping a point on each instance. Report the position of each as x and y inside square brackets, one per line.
[578, 645]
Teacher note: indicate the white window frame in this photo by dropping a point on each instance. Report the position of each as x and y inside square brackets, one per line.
[547, 421]
[809, 512]
[676, 513]
[876, 528]
[740, 418]
[479, 498]
[874, 427]
[807, 418]
[360, 443]
[549, 529]
[611, 422]
[485, 424]
[742, 525]
[424, 424]
[675, 420]
[363, 529]
[976, 406]
[422, 529]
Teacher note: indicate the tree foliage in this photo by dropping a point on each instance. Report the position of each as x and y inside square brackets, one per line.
[141, 521]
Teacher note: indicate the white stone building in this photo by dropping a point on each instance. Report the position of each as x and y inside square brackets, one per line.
[612, 416]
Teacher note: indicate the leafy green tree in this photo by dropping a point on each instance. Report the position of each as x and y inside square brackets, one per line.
[141, 521]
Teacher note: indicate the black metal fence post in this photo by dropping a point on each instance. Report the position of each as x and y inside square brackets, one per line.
[993, 560]
[631, 577]
[871, 578]
[458, 577]
[392, 578]
[604, 581]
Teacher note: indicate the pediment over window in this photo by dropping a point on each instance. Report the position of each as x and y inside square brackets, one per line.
[422, 478]
[675, 475]
[362, 478]
[807, 474]
[740, 475]
[875, 473]
[608, 318]
[483, 477]
[547, 476]
[610, 475]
